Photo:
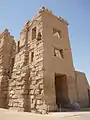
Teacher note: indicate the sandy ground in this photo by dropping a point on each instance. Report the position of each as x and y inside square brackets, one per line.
[13, 115]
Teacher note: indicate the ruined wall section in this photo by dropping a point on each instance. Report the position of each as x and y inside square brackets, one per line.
[26, 86]
[82, 88]
[7, 54]
[18, 85]
[1, 67]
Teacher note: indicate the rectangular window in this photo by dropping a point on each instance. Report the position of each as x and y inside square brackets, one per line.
[34, 33]
[58, 53]
[32, 56]
[57, 33]
[61, 53]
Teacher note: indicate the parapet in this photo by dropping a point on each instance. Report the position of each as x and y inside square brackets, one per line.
[6, 32]
[43, 9]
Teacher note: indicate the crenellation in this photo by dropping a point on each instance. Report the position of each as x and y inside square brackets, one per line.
[43, 9]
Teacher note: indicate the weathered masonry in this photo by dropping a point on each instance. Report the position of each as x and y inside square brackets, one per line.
[37, 72]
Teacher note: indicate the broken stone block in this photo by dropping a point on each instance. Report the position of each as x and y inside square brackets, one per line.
[33, 82]
[15, 104]
[37, 91]
[32, 96]
[41, 86]
[39, 102]
[32, 106]
[32, 92]
[20, 104]
[18, 73]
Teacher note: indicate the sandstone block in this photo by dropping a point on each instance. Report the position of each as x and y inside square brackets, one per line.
[32, 106]
[32, 96]
[39, 102]
[15, 104]
[31, 92]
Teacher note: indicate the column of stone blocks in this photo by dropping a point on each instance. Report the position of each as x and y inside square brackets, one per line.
[17, 90]
[36, 78]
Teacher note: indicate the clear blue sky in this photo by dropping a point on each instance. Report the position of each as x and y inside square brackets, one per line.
[13, 14]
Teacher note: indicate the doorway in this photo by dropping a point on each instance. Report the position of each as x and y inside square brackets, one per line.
[61, 89]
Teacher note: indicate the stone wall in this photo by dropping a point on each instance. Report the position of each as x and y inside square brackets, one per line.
[17, 90]
[7, 54]
[26, 89]
[82, 88]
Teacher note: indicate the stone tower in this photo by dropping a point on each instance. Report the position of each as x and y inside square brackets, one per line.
[43, 75]
[42, 52]
[7, 54]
